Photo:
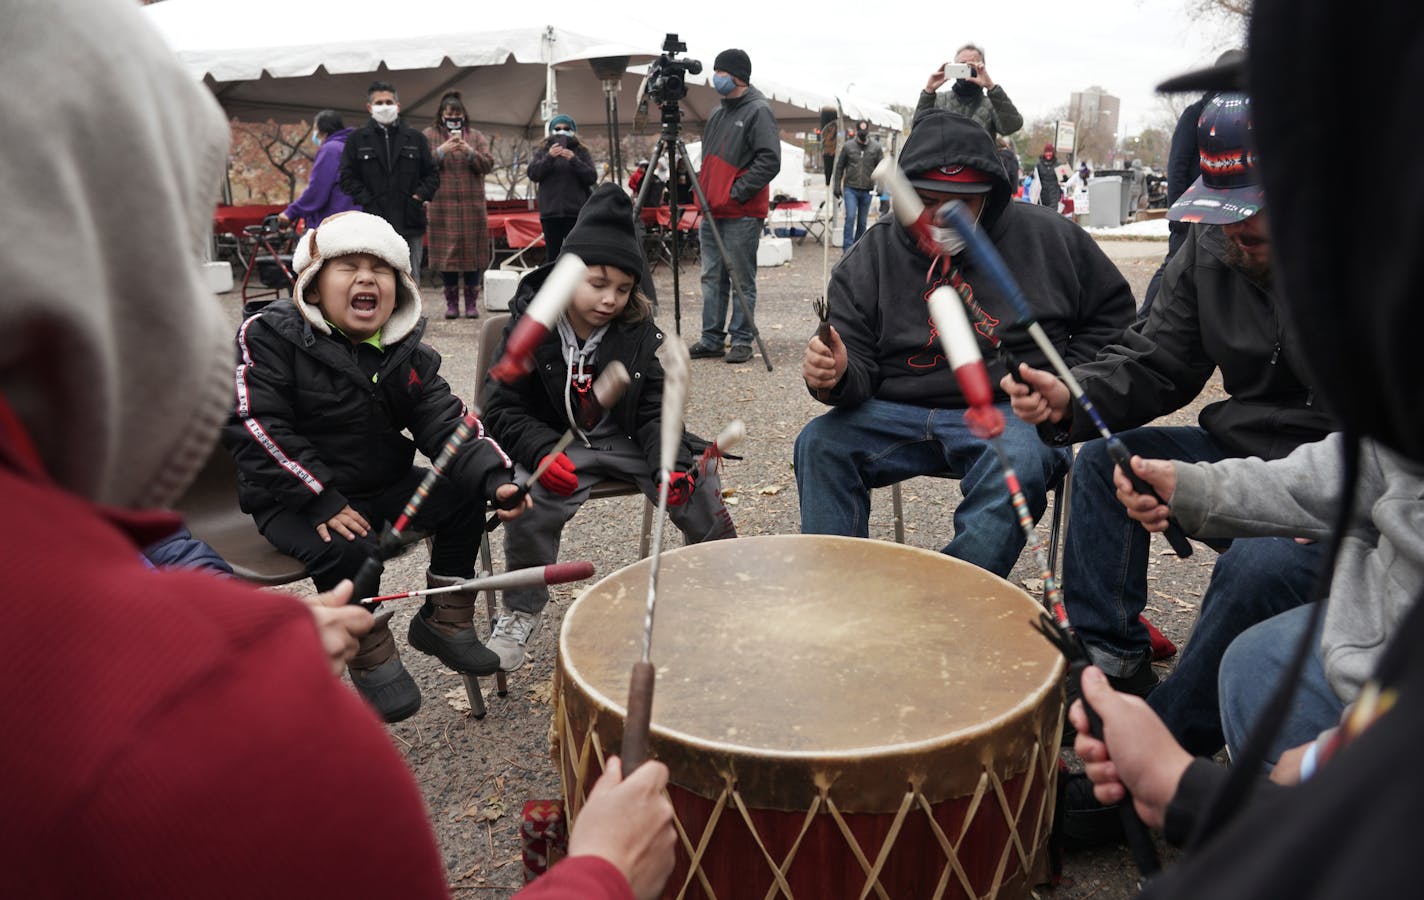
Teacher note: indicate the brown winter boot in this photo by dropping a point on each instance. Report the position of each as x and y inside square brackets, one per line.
[377, 672]
[445, 628]
[472, 301]
[452, 301]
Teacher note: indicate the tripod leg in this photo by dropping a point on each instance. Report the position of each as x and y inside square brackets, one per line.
[722, 248]
[649, 289]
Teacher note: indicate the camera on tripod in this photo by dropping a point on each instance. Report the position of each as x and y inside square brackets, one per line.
[667, 76]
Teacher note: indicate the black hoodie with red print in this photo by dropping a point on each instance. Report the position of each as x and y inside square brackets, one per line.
[879, 295]
[741, 153]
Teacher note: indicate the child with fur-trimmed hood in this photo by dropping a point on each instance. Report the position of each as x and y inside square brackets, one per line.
[326, 384]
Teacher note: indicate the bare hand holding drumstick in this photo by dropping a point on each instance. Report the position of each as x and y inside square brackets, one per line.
[824, 365]
[628, 821]
[1151, 511]
[1037, 396]
[1137, 753]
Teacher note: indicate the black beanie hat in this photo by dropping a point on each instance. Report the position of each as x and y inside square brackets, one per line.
[604, 235]
[735, 63]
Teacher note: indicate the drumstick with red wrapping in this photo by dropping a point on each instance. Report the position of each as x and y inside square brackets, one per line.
[607, 389]
[910, 210]
[676, 366]
[518, 360]
[955, 214]
[730, 436]
[534, 576]
[987, 422]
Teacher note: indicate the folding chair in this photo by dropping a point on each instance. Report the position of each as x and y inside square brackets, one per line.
[491, 333]
[1059, 493]
[210, 510]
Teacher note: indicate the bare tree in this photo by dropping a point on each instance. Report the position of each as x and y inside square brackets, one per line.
[1233, 9]
[284, 147]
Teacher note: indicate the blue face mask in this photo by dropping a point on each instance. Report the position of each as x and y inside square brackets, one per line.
[724, 84]
[316, 139]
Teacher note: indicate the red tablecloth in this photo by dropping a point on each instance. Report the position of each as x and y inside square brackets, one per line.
[688, 219]
[232, 219]
[518, 228]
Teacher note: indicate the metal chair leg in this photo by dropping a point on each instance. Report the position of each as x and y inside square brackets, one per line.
[474, 695]
[646, 538]
[1059, 523]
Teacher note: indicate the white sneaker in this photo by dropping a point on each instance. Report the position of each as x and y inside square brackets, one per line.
[510, 636]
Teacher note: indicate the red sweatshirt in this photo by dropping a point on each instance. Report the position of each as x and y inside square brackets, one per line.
[172, 734]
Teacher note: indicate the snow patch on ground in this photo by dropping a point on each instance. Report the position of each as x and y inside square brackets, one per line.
[1151, 228]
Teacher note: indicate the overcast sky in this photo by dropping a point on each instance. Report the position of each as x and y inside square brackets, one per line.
[882, 50]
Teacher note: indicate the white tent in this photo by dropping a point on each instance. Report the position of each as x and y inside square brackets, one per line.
[790, 181]
[283, 60]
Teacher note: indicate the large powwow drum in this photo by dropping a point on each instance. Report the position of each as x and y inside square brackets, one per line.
[840, 717]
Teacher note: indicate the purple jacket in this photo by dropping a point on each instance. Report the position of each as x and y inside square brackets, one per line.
[323, 197]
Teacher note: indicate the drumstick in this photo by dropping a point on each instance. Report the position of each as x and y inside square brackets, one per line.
[732, 434]
[553, 298]
[822, 306]
[957, 215]
[987, 422]
[607, 389]
[534, 576]
[910, 209]
[676, 365]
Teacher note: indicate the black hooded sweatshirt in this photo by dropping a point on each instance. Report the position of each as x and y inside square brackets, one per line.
[879, 295]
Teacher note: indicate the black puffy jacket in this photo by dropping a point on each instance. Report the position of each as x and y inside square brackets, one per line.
[319, 420]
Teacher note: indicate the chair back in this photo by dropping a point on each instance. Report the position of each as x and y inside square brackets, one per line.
[210, 510]
[491, 332]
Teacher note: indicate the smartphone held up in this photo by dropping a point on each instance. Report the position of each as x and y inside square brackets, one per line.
[954, 70]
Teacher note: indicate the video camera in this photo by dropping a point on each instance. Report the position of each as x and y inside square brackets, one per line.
[667, 76]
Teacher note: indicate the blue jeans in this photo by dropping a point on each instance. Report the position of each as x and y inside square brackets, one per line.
[741, 237]
[844, 453]
[1250, 673]
[857, 206]
[1105, 584]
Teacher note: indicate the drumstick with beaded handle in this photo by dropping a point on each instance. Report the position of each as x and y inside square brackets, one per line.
[518, 360]
[987, 422]
[533, 576]
[957, 215]
[676, 366]
[608, 387]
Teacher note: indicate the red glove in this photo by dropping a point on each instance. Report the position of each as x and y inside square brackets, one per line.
[680, 487]
[560, 476]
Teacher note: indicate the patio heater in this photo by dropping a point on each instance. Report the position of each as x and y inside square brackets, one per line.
[609, 70]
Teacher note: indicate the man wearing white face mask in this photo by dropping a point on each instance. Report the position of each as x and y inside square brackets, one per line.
[387, 168]
[741, 153]
[897, 411]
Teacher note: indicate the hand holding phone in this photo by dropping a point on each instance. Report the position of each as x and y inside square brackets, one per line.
[954, 70]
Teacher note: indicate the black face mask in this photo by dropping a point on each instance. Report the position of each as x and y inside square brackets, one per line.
[862, 136]
[454, 124]
[965, 88]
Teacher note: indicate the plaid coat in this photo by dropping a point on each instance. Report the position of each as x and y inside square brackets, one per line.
[459, 227]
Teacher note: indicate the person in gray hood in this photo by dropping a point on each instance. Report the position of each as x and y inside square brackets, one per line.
[896, 409]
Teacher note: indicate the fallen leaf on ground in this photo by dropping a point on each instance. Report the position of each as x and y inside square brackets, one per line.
[771, 490]
[458, 699]
[542, 693]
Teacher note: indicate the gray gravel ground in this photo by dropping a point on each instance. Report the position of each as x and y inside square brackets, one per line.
[476, 775]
